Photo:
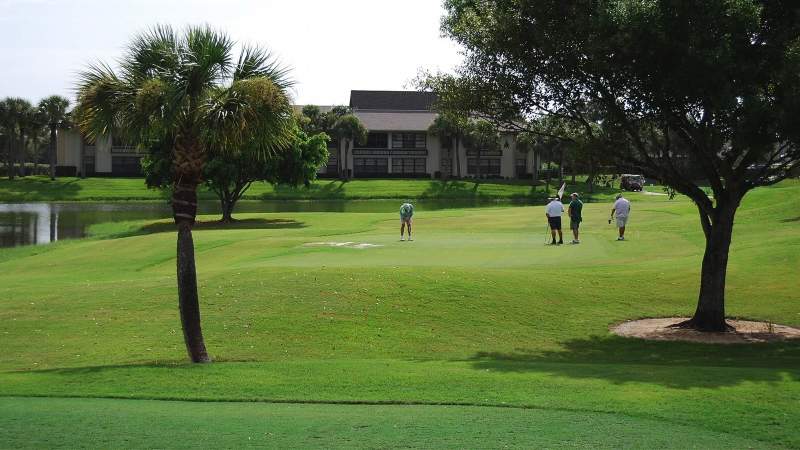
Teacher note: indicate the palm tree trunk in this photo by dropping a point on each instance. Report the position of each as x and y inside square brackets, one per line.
[53, 152]
[82, 162]
[458, 156]
[189, 162]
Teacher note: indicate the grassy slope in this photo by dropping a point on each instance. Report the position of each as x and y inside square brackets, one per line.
[475, 311]
[115, 189]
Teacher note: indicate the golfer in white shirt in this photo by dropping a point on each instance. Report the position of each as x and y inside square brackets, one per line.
[553, 212]
[622, 209]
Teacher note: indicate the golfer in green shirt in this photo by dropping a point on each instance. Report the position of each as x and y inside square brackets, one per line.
[574, 211]
[406, 217]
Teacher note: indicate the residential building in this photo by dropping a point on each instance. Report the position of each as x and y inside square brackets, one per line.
[398, 146]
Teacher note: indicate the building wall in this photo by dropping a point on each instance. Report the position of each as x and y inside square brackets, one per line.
[68, 148]
[102, 161]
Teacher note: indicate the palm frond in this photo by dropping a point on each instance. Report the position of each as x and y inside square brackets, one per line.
[259, 62]
[206, 58]
[252, 115]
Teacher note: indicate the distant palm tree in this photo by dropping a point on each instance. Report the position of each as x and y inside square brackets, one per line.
[349, 129]
[451, 127]
[188, 91]
[54, 111]
[15, 119]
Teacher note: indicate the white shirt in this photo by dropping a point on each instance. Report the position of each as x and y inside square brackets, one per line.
[554, 209]
[622, 207]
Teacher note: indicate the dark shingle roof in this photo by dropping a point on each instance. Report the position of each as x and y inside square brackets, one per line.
[392, 100]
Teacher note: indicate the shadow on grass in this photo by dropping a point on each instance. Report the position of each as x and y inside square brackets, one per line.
[39, 189]
[792, 219]
[330, 190]
[244, 224]
[671, 364]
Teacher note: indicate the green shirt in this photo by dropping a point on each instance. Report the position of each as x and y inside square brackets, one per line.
[576, 206]
[407, 210]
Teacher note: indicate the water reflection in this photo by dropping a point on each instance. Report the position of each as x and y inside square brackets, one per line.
[41, 223]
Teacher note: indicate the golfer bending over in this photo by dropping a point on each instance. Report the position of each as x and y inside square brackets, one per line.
[622, 207]
[575, 218]
[406, 215]
[553, 212]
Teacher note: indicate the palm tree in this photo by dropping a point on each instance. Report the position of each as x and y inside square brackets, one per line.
[54, 111]
[450, 127]
[481, 135]
[188, 92]
[527, 143]
[349, 129]
[16, 119]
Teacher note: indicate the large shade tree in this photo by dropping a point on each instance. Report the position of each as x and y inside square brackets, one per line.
[678, 90]
[53, 110]
[189, 91]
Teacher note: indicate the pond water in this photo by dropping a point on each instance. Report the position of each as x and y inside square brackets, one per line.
[42, 223]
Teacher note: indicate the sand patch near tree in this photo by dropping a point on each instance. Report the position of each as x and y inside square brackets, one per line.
[746, 331]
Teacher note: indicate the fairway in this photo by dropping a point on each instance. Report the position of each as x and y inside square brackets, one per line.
[474, 335]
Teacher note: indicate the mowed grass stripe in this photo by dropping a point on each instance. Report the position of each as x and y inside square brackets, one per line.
[50, 423]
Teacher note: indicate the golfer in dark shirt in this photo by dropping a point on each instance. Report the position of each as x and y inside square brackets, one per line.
[575, 218]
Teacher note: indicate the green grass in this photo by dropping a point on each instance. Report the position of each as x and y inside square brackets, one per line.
[474, 335]
[120, 189]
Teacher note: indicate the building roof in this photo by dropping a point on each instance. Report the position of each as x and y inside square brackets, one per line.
[392, 100]
[396, 120]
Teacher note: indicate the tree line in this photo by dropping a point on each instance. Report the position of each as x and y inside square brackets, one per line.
[26, 128]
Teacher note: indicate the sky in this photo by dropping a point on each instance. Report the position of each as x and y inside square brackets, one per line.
[332, 46]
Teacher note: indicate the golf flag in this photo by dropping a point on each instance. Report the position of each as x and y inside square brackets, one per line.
[561, 191]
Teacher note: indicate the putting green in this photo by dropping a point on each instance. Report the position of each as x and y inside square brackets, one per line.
[476, 312]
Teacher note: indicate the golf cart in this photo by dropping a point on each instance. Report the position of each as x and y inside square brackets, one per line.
[631, 182]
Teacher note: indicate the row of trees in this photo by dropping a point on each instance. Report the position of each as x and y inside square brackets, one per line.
[689, 93]
[341, 124]
[25, 127]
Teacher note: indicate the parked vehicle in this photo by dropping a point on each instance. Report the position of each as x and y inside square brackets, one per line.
[631, 182]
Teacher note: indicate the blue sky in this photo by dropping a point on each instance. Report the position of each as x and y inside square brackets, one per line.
[333, 46]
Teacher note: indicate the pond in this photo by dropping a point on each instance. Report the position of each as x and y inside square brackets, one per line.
[42, 223]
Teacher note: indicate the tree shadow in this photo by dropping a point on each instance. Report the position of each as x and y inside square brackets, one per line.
[792, 219]
[243, 224]
[332, 190]
[671, 364]
[37, 189]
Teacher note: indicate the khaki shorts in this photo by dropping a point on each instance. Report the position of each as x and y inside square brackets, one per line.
[622, 221]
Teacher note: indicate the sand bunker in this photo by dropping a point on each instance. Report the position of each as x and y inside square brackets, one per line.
[358, 245]
[746, 331]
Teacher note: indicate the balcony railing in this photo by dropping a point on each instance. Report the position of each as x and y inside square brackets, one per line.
[124, 149]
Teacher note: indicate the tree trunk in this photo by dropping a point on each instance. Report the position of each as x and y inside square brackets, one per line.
[52, 155]
[10, 157]
[710, 312]
[12, 167]
[188, 166]
[227, 210]
[82, 162]
[458, 156]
